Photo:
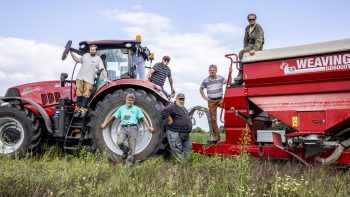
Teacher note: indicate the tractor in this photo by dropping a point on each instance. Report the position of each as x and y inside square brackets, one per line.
[33, 113]
[294, 103]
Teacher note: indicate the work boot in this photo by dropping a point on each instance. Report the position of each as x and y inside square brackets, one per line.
[83, 112]
[125, 151]
[129, 160]
[213, 140]
[76, 114]
[238, 79]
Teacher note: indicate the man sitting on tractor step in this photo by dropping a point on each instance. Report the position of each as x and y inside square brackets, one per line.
[159, 72]
[213, 83]
[91, 63]
[253, 41]
[178, 128]
[129, 114]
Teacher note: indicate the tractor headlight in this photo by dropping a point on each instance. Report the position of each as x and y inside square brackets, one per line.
[128, 45]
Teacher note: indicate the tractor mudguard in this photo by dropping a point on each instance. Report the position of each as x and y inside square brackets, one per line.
[37, 107]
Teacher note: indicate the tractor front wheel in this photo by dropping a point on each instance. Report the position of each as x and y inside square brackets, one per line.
[105, 139]
[20, 131]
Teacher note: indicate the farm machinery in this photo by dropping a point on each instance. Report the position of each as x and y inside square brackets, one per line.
[33, 113]
[294, 103]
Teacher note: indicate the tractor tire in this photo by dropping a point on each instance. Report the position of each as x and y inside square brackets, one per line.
[105, 139]
[20, 131]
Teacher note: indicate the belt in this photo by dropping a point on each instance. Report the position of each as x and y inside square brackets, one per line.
[218, 98]
[129, 125]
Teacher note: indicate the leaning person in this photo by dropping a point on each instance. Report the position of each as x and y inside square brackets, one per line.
[213, 83]
[178, 128]
[129, 114]
[158, 74]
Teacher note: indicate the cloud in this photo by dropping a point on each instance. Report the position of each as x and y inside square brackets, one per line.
[24, 61]
[139, 18]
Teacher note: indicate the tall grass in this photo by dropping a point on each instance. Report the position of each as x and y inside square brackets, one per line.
[54, 173]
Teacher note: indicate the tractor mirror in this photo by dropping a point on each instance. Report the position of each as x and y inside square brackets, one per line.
[63, 78]
[66, 49]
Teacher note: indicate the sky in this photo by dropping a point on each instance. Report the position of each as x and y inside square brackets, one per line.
[194, 34]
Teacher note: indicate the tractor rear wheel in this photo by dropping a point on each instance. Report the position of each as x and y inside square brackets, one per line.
[105, 139]
[20, 131]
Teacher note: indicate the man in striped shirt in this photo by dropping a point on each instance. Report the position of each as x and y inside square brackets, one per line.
[159, 72]
[213, 83]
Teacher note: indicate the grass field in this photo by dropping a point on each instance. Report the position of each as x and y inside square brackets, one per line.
[54, 173]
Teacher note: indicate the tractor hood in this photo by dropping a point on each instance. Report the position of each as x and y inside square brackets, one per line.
[44, 93]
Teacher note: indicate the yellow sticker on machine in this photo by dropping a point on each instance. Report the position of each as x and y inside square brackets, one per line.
[295, 121]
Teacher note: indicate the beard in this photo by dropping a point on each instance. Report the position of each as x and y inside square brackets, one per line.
[181, 105]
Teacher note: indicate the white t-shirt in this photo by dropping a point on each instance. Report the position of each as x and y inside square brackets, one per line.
[89, 67]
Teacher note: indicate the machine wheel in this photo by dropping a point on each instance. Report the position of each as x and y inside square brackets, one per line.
[147, 143]
[20, 131]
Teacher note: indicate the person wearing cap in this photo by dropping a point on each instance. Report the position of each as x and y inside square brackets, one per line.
[213, 83]
[129, 114]
[158, 74]
[178, 128]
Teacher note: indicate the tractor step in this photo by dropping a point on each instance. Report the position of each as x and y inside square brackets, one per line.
[76, 126]
[71, 147]
[72, 138]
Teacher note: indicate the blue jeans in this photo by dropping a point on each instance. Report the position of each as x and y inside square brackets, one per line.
[165, 93]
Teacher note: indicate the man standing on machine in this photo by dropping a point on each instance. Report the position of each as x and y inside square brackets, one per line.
[91, 63]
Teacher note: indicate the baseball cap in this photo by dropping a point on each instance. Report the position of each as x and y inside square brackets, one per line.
[180, 95]
[166, 58]
[130, 96]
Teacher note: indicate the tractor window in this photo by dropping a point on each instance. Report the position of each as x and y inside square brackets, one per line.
[116, 62]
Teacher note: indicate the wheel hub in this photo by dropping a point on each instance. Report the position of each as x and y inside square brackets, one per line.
[111, 133]
[11, 135]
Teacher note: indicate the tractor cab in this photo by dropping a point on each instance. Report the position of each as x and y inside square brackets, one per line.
[123, 59]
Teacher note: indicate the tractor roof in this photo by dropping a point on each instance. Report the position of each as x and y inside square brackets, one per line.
[299, 51]
[110, 43]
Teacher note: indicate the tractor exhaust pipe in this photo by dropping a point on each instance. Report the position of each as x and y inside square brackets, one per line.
[336, 154]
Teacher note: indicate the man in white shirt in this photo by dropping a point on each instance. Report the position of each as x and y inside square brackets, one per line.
[91, 63]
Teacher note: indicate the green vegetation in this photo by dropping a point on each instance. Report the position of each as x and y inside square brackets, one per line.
[54, 173]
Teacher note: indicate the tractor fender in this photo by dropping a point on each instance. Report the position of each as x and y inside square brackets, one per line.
[136, 84]
[36, 106]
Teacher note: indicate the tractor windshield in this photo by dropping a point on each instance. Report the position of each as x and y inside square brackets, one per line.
[118, 63]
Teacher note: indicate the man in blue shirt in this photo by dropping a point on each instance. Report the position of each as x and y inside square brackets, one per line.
[129, 114]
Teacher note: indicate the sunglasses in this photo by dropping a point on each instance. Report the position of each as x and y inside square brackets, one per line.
[181, 99]
[166, 60]
[251, 19]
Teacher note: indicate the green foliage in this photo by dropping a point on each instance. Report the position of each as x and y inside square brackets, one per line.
[85, 173]
[198, 130]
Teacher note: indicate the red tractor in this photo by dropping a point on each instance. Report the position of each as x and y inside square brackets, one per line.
[34, 112]
[294, 103]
